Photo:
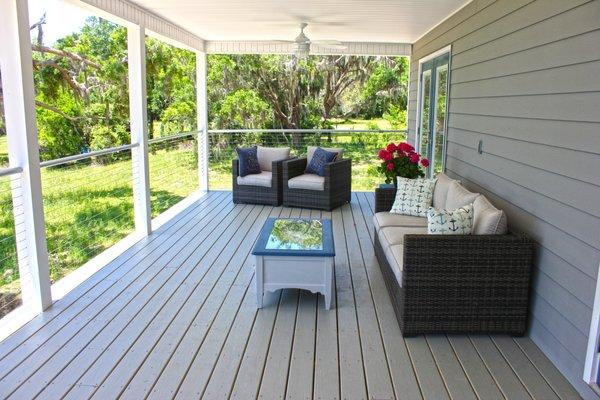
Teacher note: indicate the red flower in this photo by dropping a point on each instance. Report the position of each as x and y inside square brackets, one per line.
[385, 155]
[391, 147]
[414, 158]
[425, 162]
[390, 166]
[405, 147]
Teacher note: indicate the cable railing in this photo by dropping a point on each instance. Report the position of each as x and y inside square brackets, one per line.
[361, 145]
[88, 205]
[88, 198]
[11, 222]
[173, 162]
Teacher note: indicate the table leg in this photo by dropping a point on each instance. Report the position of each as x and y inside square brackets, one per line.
[329, 284]
[259, 282]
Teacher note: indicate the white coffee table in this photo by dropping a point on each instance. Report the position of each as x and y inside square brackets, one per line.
[295, 253]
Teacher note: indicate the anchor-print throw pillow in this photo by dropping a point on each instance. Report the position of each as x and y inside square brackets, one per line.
[450, 222]
[413, 197]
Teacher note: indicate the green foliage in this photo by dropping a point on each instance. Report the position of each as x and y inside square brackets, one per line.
[387, 85]
[103, 137]
[82, 92]
[57, 135]
[395, 116]
[243, 108]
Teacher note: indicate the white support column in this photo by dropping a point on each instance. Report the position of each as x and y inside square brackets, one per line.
[23, 150]
[138, 111]
[202, 109]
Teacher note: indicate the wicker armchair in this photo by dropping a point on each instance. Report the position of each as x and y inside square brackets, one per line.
[259, 194]
[337, 186]
[458, 283]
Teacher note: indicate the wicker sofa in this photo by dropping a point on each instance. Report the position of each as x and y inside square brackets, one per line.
[451, 283]
[312, 191]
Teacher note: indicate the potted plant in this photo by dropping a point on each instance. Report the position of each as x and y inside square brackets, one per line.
[401, 160]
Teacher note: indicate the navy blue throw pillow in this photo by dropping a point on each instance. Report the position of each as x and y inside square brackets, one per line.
[248, 161]
[318, 161]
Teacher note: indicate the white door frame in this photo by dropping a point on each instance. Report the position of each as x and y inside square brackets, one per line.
[592, 357]
[443, 50]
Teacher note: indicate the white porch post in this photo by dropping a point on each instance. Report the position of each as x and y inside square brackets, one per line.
[202, 109]
[138, 111]
[23, 150]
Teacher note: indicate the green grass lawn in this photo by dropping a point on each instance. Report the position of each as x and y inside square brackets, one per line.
[3, 151]
[361, 124]
[89, 207]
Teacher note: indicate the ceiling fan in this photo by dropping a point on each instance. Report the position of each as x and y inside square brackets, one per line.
[301, 44]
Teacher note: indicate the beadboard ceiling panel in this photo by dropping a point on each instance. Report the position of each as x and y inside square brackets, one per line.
[398, 21]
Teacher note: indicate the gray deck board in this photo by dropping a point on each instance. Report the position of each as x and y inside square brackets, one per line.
[174, 317]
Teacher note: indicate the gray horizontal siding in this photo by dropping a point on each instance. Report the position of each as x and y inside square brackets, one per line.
[524, 80]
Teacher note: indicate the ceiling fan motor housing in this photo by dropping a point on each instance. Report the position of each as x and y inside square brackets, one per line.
[301, 49]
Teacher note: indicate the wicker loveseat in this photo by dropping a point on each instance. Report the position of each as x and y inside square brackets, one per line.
[451, 283]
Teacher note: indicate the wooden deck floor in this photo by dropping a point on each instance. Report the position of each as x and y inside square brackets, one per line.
[175, 317]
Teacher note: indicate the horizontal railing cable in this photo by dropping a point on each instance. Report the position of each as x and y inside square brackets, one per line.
[83, 156]
[10, 171]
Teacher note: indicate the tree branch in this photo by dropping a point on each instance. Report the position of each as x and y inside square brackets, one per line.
[57, 111]
[63, 53]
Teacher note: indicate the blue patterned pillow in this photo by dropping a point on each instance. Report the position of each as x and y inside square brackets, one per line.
[248, 161]
[318, 161]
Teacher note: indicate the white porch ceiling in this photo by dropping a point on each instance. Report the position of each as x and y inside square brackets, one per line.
[399, 21]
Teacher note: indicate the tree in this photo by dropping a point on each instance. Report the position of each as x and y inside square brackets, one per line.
[387, 84]
[82, 94]
[340, 73]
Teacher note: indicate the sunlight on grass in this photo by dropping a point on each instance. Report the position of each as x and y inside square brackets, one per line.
[3, 151]
[89, 207]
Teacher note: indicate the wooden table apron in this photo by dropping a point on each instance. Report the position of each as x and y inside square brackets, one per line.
[314, 273]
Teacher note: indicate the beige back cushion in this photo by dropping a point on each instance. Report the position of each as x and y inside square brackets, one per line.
[487, 219]
[311, 151]
[440, 192]
[458, 196]
[266, 155]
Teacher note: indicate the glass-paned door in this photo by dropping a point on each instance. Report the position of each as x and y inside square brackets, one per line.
[434, 81]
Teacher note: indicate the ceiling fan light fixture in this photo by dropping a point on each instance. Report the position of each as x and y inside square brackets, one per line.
[301, 50]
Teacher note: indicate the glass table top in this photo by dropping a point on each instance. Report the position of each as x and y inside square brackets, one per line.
[296, 234]
[309, 237]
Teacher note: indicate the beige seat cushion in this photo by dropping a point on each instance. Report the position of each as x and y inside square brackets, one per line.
[266, 156]
[263, 179]
[440, 192]
[395, 257]
[458, 196]
[395, 234]
[386, 218]
[487, 219]
[311, 151]
[307, 181]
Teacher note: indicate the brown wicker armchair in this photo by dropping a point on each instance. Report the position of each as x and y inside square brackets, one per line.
[251, 194]
[458, 283]
[336, 191]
